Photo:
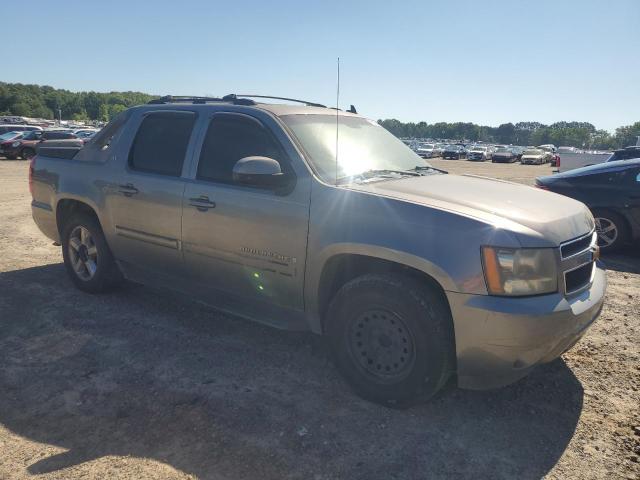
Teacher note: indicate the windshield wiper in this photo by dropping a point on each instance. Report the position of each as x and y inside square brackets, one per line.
[421, 168]
[380, 173]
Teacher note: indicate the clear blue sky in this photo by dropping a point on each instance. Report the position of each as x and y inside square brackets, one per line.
[481, 61]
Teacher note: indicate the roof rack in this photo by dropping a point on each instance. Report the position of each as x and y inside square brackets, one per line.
[234, 96]
[198, 100]
[236, 99]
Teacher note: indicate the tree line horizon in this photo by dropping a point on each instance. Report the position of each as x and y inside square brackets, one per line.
[43, 101]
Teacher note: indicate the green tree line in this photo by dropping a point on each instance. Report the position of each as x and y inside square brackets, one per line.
[42, 101]
[48, 102]
[572, 134]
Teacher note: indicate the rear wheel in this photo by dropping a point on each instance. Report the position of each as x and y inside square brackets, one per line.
[27, 153]
[391, 338]
[611, 229]
[87, 256]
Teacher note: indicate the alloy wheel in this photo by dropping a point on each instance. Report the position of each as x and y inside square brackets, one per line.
[83, 253]
[607, 232]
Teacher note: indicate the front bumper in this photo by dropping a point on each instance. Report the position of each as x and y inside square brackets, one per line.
[9, 151]
[530, 161]
[500, 339]
[503, 159]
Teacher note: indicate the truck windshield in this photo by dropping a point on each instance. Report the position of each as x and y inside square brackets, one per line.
[363, 146]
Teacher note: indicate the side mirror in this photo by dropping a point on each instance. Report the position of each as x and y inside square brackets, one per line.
[261, 172]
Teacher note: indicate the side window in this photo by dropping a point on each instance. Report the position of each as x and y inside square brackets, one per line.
[230, 138]
[103, 138]
[161, 143]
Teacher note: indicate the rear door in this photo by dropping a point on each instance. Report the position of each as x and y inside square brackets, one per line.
[146, 200]
[248, 242]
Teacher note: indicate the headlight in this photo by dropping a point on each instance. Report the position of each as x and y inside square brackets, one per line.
[15, 144]
[516, 272]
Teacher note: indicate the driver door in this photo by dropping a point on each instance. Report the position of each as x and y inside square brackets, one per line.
[245, 241]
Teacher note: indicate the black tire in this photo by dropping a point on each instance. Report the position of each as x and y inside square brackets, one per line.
[107, 275]
[11, 157]
[604, 218]
[27, 153]
[394, 316]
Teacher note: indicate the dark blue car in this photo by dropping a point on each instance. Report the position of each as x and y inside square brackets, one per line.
[611, 190]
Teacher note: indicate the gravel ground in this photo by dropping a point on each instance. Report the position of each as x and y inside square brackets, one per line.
[141, 384]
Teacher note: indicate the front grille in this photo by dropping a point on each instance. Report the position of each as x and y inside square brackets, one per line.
[575, 246]
[577, 260]
[575, 280]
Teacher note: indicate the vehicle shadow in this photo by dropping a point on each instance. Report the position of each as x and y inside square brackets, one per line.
[626, 260]
[141, 374]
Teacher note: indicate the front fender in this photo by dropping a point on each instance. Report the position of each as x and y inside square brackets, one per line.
[322, 259]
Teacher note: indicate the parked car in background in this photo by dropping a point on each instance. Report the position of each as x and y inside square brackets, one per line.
[85, 135]
[626, 153]
[4, 128]
[478, 153]
[535, 156]
[7, 139]
[25, 147]
[518, 151]
[455, 152]
[80, 132]
[10, 136]
[504, 155]
[611, 190]
[426, 150]
[243, 216]
[438, 149]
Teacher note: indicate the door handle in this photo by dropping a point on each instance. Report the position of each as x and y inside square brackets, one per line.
[127, 190]
[202, 203]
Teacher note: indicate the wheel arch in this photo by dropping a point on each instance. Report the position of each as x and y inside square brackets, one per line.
[67, 207]
[348, 263]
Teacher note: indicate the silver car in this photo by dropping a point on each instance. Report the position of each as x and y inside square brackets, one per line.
[265, 210]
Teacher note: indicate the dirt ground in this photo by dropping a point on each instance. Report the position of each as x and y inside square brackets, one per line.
[143, 385]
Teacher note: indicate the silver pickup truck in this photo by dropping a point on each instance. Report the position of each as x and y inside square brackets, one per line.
[309, 218]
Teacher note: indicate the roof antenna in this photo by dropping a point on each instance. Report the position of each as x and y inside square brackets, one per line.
[337, 118]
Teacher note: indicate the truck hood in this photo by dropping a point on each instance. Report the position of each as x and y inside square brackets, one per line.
[540, 218]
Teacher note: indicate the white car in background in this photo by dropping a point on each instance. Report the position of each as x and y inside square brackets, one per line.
[535, 156]
[426, 150]
[479, 153]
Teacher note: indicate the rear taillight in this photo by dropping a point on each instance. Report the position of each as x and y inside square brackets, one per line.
[32, 164]
[558, 161]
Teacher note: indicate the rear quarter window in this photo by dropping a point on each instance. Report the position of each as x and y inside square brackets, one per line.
[161, 143]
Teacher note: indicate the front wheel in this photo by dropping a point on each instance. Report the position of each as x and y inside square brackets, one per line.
[27, 153]
[391, 338]
[87, 256]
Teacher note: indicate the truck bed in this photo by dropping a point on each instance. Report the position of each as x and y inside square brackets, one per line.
[60, 148]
